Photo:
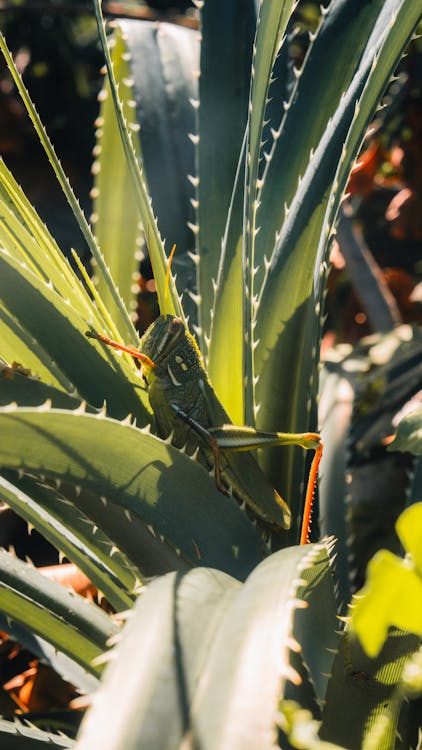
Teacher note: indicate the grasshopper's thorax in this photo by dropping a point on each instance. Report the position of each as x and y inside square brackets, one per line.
[173, 351]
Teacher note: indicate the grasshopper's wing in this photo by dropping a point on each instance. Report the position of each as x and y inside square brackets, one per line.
[243, 473]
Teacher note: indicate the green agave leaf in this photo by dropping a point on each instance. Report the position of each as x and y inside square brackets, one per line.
[126, 323]
[116, 214]
[72, 624]
[295, 306]
[139, 472]
[19, 346]
[225, 349]
[271, 26]
[19, 736]
[164, 91]
[219, 651]
[138, 542]
[179, 616]
[335, 412]
[27, 390]
[28, 240]
[361, 708]
[96, 372]
[249, 667]
[339, 43]
[222, 115]
[169, 302]
[60, 523]
[66, 667]
[409, 434]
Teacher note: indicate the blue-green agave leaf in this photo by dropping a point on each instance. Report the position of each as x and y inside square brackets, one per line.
[139, 472]
[222, 115]
[178, 616]
[219, 650]
[20, 736]
[164, 92]
[72, 624]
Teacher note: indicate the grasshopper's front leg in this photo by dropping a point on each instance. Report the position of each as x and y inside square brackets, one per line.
[232, 438]
[207, 436]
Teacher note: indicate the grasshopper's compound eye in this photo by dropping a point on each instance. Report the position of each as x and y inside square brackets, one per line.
[175, 326]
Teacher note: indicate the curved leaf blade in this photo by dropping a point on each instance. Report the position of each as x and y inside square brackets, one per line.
[72, 624]
[139, 472]
[61, 526]
[179, 616]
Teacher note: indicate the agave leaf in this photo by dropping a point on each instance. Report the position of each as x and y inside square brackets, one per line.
[66, 667]
[60, 523]
[271, 26]
[28, 240]
[293, 306]
[139, 472]
[17, 736]
[164, 91]
[335, 412]
[125, 321]
[362, 691]
[249, 666]
[115, 211]
[225, 350]
[179, 616]
[168, 298]
[27, 390]
[221, 652]
[19, 346]
[59, 330]
[71, 623]
[136, 540]
[339, 43]
[223, 98]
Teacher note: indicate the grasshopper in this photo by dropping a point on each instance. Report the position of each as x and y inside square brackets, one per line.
[186, 406]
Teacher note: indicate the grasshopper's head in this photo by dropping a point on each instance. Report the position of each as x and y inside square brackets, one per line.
[172, 350]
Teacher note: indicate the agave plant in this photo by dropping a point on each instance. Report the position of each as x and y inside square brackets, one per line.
[220, 643]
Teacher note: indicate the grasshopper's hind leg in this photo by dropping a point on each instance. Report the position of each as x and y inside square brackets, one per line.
[208, 439]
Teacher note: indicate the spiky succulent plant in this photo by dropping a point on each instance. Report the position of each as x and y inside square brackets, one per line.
[219, 643]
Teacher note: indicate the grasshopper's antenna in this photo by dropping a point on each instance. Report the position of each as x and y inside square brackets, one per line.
[169, 262]
[146, 361]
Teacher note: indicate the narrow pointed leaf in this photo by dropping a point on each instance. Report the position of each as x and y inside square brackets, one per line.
[71, 623]
[126, 323]
[223, 98]
[164, 92]
[60, 525]
[116, 214]
[169, 303]
[60, 332]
